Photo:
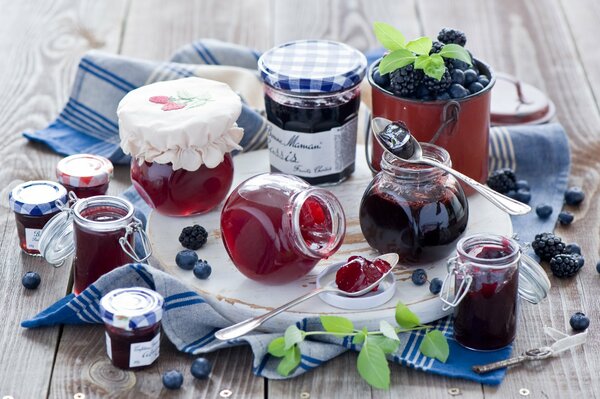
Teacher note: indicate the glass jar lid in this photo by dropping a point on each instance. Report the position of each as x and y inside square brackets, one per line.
[56, 241]
[37, 198]
[84, 170]
[312, 66]
[131, 308]
[534, 284]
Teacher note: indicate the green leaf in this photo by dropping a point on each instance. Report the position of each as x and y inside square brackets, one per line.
[277, 347]
[420, 46]
[405, 317]
[336, 324]
[435, 345]
[373, 366]
[435, 67]
[292, 336]
[386, 344]
[387, 330]
[290, 361]
[422, 61]
[390, 37]
[396, 59]
[455, 51]
[360, 337]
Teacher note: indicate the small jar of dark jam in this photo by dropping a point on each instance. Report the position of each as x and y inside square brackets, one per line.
[85, 175]
[489, 273]
[34, 204]
[132, 317]
[416, 211]
[312, 100]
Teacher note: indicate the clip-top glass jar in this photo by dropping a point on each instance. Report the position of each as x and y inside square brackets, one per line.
[100, 231]
[277, 227]
[312, 99]
[414, 210]
[489, 273]
[85, 175]
[132, 320]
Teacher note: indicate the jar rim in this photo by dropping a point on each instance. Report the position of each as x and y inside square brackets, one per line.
[396, 167]
[482, 239]
[103, 200]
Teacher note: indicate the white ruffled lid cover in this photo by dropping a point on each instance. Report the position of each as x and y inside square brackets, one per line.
[187, 122]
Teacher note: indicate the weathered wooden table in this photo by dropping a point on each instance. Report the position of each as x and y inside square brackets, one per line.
[551, 43]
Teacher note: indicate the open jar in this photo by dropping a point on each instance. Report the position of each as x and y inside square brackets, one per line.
[86, 175]
[180, 134]
[276, 228]
[414, 210]
[489, 273]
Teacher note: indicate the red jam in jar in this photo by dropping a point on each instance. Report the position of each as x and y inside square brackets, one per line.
[276, 228]
[132, 318]
[34, 204]
[85, 175]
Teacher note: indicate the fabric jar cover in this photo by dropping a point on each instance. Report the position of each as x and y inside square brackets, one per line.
[131, 308]
[84, 170]
[186, 122]
[37, 197]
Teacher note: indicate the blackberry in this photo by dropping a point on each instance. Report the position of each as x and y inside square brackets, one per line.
[404, 81]
[547, 245]
[193, 237]
[438, 86]
[566, 265]
[502, 181]
[436, 47]
[419, 276]
[449, 35]
[579, 321]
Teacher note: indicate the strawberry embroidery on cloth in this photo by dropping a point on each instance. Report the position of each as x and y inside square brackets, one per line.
[183, 99]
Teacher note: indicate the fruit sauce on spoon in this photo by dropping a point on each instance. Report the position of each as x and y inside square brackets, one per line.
[359, 273]
[397, 140]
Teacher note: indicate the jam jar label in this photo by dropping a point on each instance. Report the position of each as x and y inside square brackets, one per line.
[313, 154]
[32, 238]
[144, 353]
[108, 345]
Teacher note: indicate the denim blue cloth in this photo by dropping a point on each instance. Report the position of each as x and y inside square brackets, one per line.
[540, 154]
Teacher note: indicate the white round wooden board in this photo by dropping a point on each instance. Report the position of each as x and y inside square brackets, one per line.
[237, 298]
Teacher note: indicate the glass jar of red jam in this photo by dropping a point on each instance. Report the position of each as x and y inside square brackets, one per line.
[85, 175]
[34, 204]
[179, 134]
[277, 227]
[416, 211]
[100, 231]
[490, 272]
[312, 100]
[132, 318]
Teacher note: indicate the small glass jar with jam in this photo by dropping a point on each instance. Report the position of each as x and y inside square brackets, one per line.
[312, 97]
[414, 210]
[34, 204]
[179, 134]
[132, 319]
[276, 228]
[85, 175]
[489, 273]
[100, 231]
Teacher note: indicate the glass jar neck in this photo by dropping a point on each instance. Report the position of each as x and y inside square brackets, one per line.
[489, 251]
[395, 167]
[103, 213]
[311, 100]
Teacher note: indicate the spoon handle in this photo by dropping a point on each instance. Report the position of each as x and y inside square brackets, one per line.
[508, 205]
[244, 327]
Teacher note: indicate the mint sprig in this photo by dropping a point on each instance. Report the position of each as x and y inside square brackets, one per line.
[415, 52]
[372, 364]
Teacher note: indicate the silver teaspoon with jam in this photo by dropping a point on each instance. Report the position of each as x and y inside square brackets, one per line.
[395, 139]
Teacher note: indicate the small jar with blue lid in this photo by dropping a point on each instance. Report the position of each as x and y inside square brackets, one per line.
[312, 98]
[34, 204]
[132, 318]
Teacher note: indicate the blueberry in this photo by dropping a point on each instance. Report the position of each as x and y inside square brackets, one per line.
[598, 267]
[457, 76]
[483, 80]
[574, 196]
[470, 76]
[419, 277]
[458, 64]
[475, 87]
[201, 368]
[523, 184]
[523, 195]
[573, 249]
[579, 321]
[443, 96]
[565, 217]
[544, 211]
[423, 93]
[381, 80]
[202, 270]
[186, 259]
[458, 91]
[511, 194]
[172, 379]
[580, 261]
[31, 280]
[435, 286]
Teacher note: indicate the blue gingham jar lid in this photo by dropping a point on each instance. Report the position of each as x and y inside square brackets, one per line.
[131, 308]
[37, 197]
[312, 66]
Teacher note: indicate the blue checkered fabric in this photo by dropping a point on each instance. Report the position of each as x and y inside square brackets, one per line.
[19, 204]
[148, 308]
[312, 66]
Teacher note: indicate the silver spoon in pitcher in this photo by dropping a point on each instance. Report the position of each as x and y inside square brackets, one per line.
[407, 148]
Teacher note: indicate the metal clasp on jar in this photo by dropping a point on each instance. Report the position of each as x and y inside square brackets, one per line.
[136, 226]
[456, 269]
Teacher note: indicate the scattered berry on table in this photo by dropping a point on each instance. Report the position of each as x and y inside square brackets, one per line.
[172, 379]
[598, 267]
[186, 259]
[543, 211]
[502, 180]
[475, 87]
[404, 81]
[579, 322]
[483, 80]
[458, 91]
[523, 195]
[470, 77]
[457, 76]
[381, 80]
[449, 35]
[566, 265]
[574, 196]
[573, 248]
[547, 245]
[438, 86]
[523, 185]
[565, 217]
[202, 270]
[193, 237]
[201, 368]
[511, 194]
[436, 47]
[435, 286]
[31, 280]
[419, 277]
